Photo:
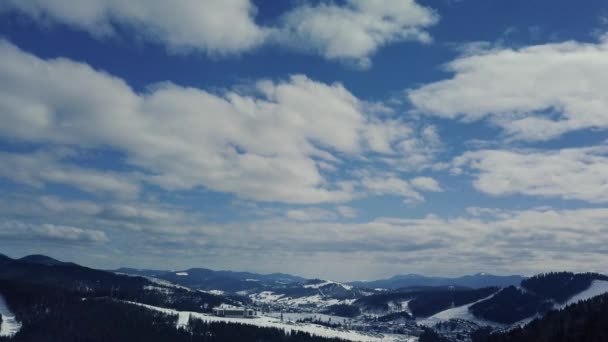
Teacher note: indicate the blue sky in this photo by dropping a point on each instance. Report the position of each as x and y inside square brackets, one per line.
[337, 139]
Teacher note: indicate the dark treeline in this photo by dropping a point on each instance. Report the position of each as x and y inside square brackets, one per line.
[511, 305]
[585, 321]
[429, 303]
[395, 316]
[343, 310]
[560, 286]
[539, 294]
[50, 314]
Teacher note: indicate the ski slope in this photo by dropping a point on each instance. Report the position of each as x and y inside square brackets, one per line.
[10, 326]
[271, 322]
[597, 287]
[459, 312]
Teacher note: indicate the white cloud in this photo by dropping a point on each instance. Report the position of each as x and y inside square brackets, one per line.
[382, 183]
[266, 144]
[346, 211]
[20, 230]
[354, 31]
[311, 214]
[534, 93]
[212, 26]
[37, 169]
[426, 184]
[574, 173]
[111, 214]
[391, 185]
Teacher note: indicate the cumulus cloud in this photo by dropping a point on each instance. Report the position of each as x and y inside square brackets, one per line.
[351, 31]
[390, 184]
[271, 142]
[216, 26]
[572, 173]
[356, 30]
[426, 184]
[534, 93]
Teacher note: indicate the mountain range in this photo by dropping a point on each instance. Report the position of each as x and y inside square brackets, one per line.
[454, 309]
[478, 280]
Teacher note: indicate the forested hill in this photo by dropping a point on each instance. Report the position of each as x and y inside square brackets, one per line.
[51, 314]
[536, 295]
[91, 283]
[586, 321]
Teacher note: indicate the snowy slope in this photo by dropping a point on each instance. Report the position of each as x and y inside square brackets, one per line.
[270, 322]
[459, 312]
[598, 287]
[9, 326]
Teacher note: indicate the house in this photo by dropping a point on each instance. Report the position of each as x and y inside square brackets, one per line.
[226, 310]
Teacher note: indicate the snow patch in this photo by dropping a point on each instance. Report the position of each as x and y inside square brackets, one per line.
[181, 274]
[10, 326]
[215, 292]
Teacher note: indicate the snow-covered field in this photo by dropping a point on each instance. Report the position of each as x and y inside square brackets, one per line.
[271, 322]
[10, 326]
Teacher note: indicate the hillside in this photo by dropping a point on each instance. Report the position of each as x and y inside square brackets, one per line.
[586, 321]
[535, 296]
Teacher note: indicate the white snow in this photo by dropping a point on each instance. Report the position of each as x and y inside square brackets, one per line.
[167, 283]
[157, 289]
[265, 297]
[597, 287]
[316, 286]
[270, 322]
[215, 292]
[181, 274]
[319, 301]
[327, 282]
[460, 312]
[10, 326]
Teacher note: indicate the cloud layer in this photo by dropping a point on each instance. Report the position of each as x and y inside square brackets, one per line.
[273, 141]
[353, 31]
[504, 241]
